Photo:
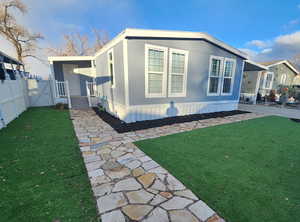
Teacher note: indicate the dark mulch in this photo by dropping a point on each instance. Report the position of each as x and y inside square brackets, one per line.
[296, 120]
[123, 127]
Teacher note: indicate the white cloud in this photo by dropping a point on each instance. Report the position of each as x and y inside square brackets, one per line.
[258, 43]
[268, 50]
[281, 47]
[251, 53]
[290, 39]
[291, 24]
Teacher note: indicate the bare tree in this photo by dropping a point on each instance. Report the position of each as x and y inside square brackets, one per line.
[76, 44]
[24, 42]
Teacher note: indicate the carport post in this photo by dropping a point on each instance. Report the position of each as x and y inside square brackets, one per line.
[68, 94]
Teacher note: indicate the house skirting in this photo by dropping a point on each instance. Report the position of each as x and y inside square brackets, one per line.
[157, 111]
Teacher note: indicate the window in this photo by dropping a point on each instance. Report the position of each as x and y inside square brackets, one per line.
[178, 60]
[283, 79]
[229, 69]
[156, 71]
[215, 74]
[268, 81]
[111, 67]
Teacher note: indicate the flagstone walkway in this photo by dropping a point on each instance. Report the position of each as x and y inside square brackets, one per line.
[130, 186]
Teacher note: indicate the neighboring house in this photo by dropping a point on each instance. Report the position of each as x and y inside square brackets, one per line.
[8, 67]
[151, 74]
[277, 73]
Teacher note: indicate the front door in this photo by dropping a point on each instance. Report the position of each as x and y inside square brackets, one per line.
[72, 78]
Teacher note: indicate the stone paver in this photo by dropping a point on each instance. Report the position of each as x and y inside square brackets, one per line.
[136, 212]
[128, 184]
[176, 203]
[114, 216]
[139, 196]
[111, 202]
[157, 215]
[201, 210]
[182, 215]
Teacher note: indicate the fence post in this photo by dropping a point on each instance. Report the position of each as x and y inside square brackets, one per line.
[69, 97]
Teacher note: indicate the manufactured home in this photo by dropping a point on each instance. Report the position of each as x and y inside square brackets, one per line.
[151, 74]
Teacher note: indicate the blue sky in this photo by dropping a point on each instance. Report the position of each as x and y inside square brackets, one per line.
[265, 29]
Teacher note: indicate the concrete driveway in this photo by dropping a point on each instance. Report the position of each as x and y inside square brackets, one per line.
[269, 110]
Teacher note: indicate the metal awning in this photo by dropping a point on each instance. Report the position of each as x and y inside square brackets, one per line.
[253, 66]
[8, 59]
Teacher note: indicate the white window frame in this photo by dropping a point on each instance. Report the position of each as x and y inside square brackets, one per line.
[283, 79]
[184, 74]
[164, 73]
[232, 77]
[265, 80]
[112, 61]
[220, 76]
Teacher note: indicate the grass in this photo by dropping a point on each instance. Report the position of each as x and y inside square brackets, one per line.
[247, 171]
[42, 174]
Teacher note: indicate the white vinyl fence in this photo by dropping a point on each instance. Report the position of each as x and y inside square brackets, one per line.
[17, 95]
[13, 100]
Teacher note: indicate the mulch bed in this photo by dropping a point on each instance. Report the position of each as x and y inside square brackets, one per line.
[123, 127]
[296, 120]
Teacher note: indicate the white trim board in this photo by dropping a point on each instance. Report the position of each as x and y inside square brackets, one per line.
[70, 58]
[126, 77]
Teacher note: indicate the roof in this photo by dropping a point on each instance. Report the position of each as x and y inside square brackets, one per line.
[278, 62]
[253, 66]
[148, 33]
[9, 59]
[70, 58]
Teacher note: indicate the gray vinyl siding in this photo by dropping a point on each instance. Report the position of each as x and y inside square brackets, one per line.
[59, 75]
[278, 71]
[197, 74]
[117, 94]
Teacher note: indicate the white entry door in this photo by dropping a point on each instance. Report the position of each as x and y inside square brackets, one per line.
[72, 78]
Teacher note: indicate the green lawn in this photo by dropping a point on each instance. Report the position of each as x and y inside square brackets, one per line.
[42, 174]
[247, 171]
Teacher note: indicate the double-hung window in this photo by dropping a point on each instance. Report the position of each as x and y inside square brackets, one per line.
[215, 75]
[111, 67]
[228, 75]
[156, 71]
[283, 79]
[268, 81]
[221, 76]
[178, 60]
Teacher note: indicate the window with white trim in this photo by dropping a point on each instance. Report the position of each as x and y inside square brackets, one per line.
[268, 81]
[156, 71]
[282, 79]
[215, 75]
[178, 60]
[111, 67]
[229, 69]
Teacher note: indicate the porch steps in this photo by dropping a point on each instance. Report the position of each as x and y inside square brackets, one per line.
[79, 102]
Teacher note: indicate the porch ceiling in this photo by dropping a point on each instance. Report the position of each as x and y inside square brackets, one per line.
[253, 66]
